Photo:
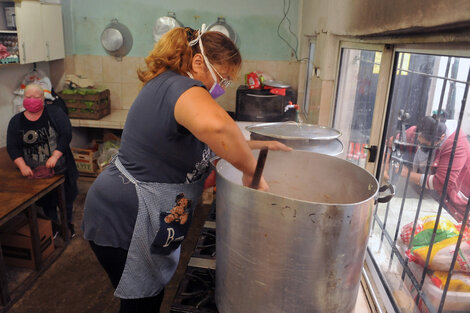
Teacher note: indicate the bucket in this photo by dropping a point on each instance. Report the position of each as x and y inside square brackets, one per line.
[299, 247]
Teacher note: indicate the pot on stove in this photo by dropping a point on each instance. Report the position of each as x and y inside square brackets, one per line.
[300, 136]
[299, 247]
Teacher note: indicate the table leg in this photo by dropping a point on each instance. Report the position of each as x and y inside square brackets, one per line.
[35, 240]
[63, 213]
[4, 295]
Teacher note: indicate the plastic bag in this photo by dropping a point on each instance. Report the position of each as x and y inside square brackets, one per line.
[458, 282]
[106, 151]
[405, 234]
[444, 246]
[36, 77]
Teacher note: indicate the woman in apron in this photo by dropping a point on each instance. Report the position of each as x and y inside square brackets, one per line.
[138, 210]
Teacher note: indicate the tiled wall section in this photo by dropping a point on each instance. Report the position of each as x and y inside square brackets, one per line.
[120, 77]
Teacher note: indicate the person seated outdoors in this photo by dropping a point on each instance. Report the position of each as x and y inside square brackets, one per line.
[38, 143]
[432, 137]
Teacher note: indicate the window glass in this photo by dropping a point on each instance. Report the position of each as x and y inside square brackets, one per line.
[427, 159]
[355, 100]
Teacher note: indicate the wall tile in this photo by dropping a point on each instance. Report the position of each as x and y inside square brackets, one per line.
[115, 94]
[129, 69]
[94, 68]
[111, 70]
[69, 64]
[80, 61]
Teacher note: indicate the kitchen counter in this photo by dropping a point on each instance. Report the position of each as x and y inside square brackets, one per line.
[115, 120]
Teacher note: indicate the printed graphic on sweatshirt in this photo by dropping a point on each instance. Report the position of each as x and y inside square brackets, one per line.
[173, 226]
[38, 145]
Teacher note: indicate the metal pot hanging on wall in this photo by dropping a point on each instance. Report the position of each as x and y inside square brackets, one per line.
[116, 39]
[222, 26]
[164, 24]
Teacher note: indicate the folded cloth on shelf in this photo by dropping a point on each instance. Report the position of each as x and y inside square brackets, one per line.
[78, 81]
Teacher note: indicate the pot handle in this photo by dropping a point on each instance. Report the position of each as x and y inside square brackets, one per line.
[387, 198]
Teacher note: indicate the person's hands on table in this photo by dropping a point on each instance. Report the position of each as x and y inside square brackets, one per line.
[26, 171]
[51, 162]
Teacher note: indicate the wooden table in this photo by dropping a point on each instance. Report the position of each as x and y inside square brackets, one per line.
[19, 193]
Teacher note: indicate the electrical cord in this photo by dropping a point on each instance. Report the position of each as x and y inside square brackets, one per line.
[285, 18]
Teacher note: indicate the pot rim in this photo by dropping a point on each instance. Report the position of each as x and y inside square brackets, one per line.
[221, 162]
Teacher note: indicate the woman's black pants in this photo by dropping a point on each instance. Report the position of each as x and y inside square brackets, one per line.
[113, 261]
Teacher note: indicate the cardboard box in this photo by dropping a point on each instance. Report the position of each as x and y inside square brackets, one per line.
[17, 246]
[86, 160]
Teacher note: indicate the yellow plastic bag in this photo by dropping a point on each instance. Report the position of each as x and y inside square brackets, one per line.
[444, 246]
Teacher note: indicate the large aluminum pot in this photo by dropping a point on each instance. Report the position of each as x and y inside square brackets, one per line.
[332, 147]
[299, 247]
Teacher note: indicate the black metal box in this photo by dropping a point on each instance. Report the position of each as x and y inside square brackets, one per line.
[261, 105]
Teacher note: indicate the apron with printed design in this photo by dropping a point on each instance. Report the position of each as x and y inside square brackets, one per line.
[163, 219]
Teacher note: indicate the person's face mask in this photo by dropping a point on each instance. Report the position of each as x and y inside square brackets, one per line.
[33, 105]
[216, 90]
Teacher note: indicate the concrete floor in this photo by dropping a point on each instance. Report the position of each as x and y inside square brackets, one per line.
[76, 283]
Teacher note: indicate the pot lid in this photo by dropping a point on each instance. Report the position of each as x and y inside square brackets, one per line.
[294, 131]
[222, 26]
[330, 147]
[276, 84]
[165, 24]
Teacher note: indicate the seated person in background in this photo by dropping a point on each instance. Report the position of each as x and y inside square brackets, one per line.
[432, 138]
[38, 143]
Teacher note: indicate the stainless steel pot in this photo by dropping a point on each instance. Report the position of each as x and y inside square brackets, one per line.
[300, 136]
[299, 247]
[331, 147]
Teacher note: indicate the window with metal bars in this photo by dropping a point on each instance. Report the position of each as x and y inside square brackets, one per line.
[419, 244]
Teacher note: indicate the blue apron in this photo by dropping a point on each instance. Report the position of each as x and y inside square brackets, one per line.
[163, 219]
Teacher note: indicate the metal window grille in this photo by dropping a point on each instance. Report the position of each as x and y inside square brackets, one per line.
[386, 233]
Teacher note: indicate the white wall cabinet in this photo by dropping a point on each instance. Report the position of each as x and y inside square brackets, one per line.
[31, 42]
[53, 31]
[39, 31]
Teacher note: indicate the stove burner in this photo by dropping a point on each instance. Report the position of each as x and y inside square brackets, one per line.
[205, 247]
[196, 292]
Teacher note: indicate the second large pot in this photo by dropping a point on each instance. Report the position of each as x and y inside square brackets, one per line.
[299, 247]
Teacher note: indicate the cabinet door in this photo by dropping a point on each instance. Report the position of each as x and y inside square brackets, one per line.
[30, 33]
[53, 31]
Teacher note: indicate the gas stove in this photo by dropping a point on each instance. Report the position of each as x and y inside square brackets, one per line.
[196, 292]
[197, 288]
